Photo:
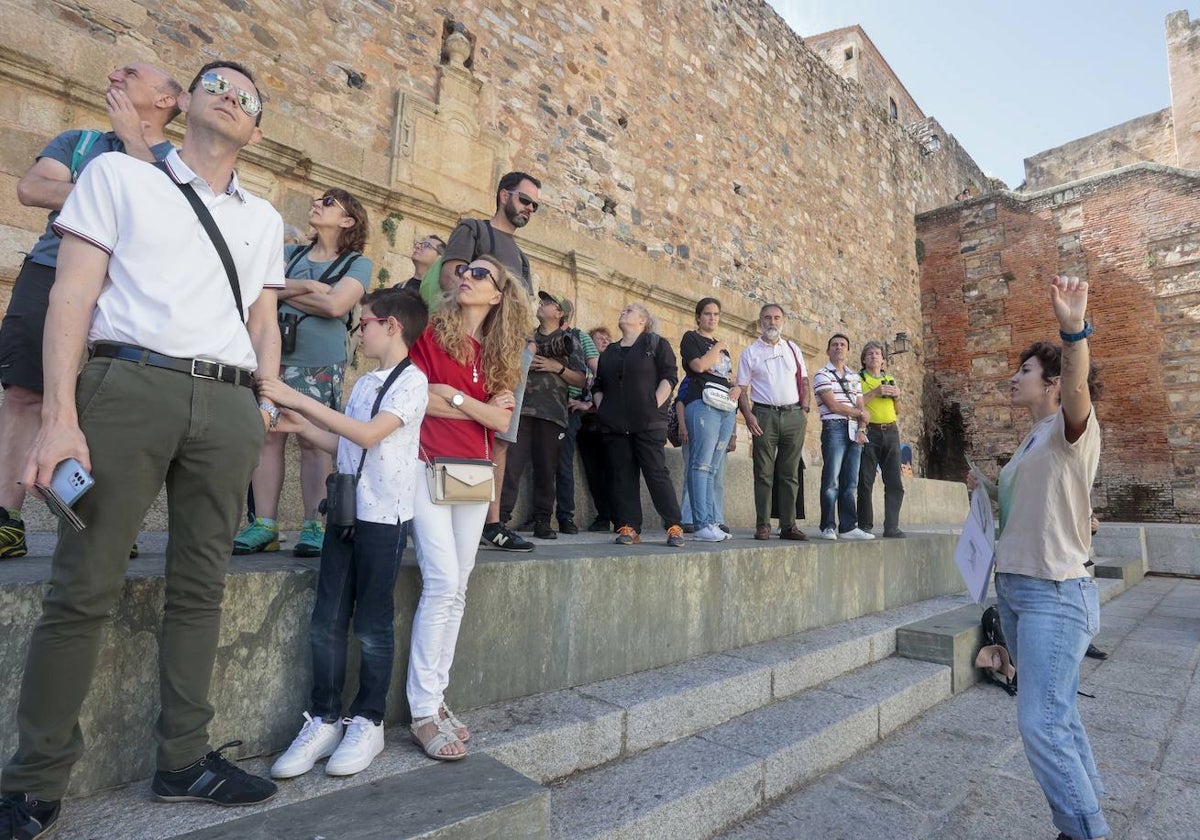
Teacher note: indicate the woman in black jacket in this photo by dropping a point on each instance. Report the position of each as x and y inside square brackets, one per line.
[634, 381]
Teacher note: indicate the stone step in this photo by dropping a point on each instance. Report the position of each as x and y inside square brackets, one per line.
[705, 783]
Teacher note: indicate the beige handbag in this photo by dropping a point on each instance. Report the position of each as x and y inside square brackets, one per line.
[461, 481]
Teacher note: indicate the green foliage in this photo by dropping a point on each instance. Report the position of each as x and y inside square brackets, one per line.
[390, 225]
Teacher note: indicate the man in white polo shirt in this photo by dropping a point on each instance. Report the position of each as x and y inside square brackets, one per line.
[843, 432]
[166, 397]
[774, 402]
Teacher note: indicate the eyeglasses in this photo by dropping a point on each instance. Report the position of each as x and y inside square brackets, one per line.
[477, 273]
[217, 84]
[362, 322]
[330, 201]
[526, 201]
[422, 244]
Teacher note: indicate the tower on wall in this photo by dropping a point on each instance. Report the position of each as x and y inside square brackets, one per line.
[1183, 63]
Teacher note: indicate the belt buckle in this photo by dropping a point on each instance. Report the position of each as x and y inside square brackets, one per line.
[198, 375]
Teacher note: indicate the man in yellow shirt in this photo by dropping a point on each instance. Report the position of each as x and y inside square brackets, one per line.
[882, 449]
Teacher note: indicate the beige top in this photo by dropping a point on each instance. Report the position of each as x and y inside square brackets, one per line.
[1045, 502]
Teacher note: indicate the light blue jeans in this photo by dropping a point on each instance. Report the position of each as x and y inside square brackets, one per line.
[709, 431]
[685, 501]
[1048, 625]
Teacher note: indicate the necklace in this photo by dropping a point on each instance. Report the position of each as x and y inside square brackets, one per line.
[474, 372]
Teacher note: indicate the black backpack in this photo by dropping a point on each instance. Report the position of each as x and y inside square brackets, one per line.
[993, 634]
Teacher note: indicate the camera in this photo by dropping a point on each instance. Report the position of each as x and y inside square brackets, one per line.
[288, 321]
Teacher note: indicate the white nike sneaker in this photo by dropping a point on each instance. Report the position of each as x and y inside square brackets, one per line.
[317, 739]
[857, 534]
[826, 534]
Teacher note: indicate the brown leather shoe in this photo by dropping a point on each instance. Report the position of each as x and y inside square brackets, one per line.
[793, 533]
[762, 532]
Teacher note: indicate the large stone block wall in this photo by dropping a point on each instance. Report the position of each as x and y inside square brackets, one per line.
[1183, 62]
[867, 66]
[686, 149]
[1133, 235]
[1150, 138]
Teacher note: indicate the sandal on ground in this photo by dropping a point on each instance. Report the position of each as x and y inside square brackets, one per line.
[455, 724]
[444, 738]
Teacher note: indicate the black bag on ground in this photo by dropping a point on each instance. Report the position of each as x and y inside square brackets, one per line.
[993, 635]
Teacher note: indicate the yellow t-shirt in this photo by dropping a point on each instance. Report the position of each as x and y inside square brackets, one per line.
[881, 409]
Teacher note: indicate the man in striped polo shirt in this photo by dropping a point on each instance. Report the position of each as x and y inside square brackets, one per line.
[844, 421]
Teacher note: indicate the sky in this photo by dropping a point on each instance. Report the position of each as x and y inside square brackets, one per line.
[1011, 79]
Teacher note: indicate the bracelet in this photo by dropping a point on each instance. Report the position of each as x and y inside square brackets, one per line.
[561, 368]
[1070, 338]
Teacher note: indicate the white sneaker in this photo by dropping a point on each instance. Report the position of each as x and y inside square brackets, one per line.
[317, 739]
[857, 534]
[827, 534]
[362, 742]
[709, 533]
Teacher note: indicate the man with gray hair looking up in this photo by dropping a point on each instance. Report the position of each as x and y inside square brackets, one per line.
[775, 403]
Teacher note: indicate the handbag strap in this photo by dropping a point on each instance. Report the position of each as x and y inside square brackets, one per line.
[799, 370]
[387, 383]
[214, 234]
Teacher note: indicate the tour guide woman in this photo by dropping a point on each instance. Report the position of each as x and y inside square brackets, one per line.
[471, 354]
[1049, 606]
[634, 378]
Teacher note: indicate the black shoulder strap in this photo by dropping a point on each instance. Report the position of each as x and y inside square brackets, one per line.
[387, 383]
[296, 257]
[214, 234]
[492, 250]
[341, 266]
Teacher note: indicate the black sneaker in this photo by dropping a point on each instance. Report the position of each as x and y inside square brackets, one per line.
[689, 527]
[567, 526]
[504, 538]
[526, 526]
[1095, 652]
[212, 779]
[12, 535]
[600, 526]
[22, 818]
[543, 531]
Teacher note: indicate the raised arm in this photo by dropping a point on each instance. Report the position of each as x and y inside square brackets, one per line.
[1069, 297]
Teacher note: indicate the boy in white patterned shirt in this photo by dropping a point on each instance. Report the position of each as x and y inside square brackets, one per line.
[377, 437]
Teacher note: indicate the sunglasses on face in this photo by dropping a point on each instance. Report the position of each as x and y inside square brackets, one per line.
[362, 322]
[329, 201]
[217, 85]
[422, 244]
[476, 273]
[526, 201]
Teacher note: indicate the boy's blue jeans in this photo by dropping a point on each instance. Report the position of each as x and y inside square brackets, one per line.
[839, 476]
[357, 579]
[1048, 625]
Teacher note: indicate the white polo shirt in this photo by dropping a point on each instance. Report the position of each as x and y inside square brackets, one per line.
[166, 288]
[770, 371]
[392, 471]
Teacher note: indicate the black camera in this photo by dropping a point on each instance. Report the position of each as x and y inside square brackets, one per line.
[288, 321]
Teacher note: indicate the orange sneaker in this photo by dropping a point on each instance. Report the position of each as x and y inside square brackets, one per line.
[628, 536]
[675, 536]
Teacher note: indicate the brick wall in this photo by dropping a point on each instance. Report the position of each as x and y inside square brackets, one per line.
[1133, 235]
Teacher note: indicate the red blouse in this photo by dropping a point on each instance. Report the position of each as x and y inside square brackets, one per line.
[445, 437]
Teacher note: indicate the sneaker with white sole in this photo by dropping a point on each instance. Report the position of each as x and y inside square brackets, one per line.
[827, 534]
[318, 739]
[857, 534]
[361, 743]
[709, 533]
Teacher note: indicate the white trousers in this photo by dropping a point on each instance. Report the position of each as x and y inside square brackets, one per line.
[447, 539]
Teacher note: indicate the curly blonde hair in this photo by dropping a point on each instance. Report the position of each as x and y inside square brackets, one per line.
[505, 331]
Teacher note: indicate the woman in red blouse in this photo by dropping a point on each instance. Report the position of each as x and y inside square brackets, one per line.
[471, 354]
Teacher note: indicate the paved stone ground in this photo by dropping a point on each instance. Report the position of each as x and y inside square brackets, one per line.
[959, 772]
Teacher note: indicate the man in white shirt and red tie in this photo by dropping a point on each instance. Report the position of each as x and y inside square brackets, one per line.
[775, 403]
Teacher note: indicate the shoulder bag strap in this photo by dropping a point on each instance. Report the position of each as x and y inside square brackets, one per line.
[387, 383]
[297, 255]
[214, 234]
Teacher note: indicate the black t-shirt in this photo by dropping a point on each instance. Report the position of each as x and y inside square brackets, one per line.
[694, 346]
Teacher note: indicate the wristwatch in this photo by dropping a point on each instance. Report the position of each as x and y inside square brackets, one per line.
[457, 400]
[272, 412]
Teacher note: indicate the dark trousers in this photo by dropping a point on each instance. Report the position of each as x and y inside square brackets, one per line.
[538, 441]
[357, 578]
[881, 450]
[565, 479]
[593, 454]
[629, 453]
[776, 452]
[145, 427]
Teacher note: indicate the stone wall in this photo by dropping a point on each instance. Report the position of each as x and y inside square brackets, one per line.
[686, 150]
[1133, 235]
[866, 66]
[1150, 138]
[1183, 62]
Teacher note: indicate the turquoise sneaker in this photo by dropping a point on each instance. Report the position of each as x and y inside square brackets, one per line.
[311, 537]
[261, 535]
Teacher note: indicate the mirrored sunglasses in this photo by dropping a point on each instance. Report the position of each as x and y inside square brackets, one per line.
[217, 85]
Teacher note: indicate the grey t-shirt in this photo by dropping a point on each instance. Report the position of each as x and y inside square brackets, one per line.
[320, 341]
[471, 240]
[62, 149]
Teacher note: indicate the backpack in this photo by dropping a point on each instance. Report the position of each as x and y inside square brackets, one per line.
[431, 283]
[673, 436]
[87, 139]
[993, 634]
[332, 276]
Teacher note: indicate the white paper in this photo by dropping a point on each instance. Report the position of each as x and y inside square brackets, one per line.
[975, 554]
[852, 429]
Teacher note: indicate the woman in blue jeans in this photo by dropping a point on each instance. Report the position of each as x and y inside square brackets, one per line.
[1048, 602]
[709, 422]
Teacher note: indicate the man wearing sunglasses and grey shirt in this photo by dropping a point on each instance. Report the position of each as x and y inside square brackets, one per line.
[167, 397]
[516, 202]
